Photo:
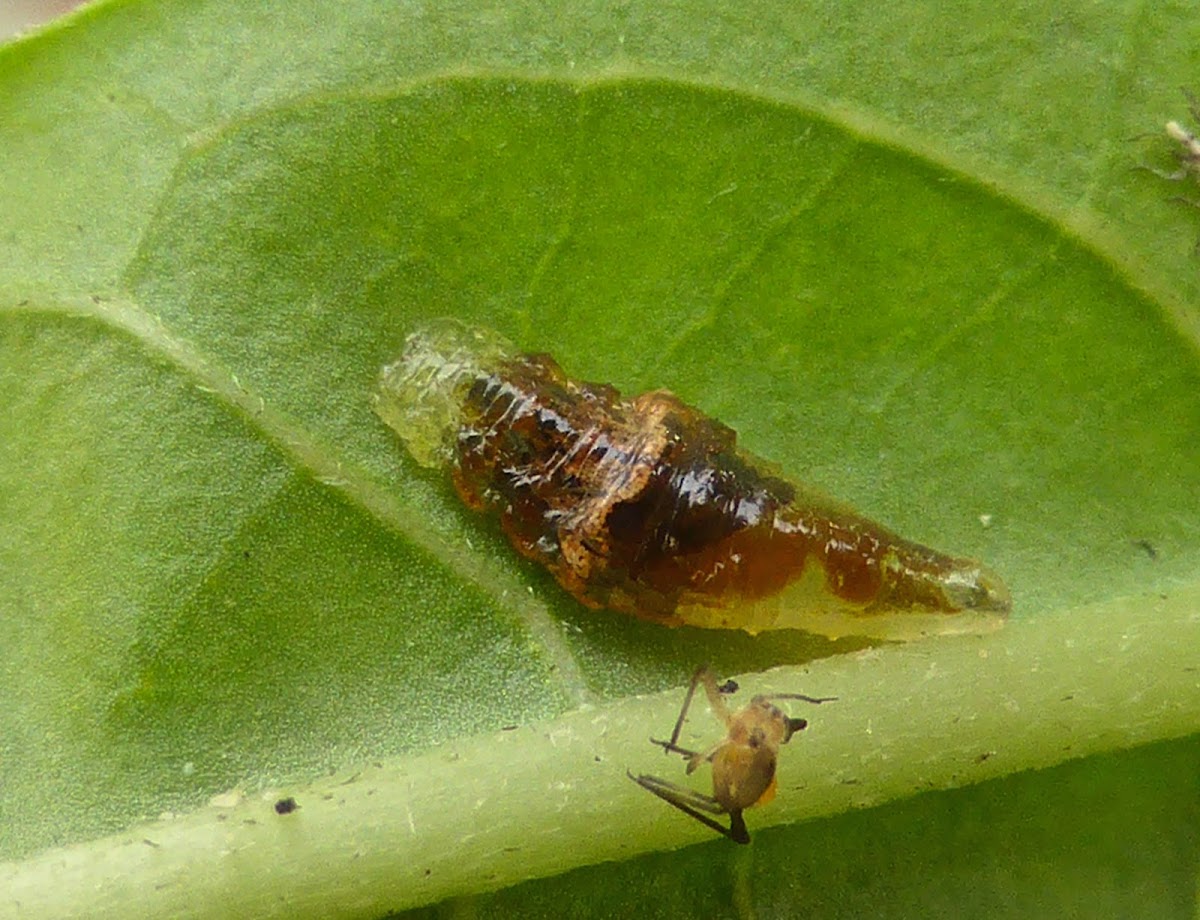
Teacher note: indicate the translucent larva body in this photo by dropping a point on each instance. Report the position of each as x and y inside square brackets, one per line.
[647, 506]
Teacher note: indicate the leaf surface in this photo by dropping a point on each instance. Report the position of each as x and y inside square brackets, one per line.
[919, 275]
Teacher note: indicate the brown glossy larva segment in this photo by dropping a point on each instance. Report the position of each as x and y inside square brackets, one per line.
[647, 506]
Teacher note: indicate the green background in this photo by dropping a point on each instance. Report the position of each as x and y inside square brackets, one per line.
[906, 254]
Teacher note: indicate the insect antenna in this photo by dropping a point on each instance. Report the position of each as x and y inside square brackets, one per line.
[801, 696]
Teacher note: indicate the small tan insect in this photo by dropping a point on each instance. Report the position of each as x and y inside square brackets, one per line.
[1189, 155]
[1188, 152]
[743, 762]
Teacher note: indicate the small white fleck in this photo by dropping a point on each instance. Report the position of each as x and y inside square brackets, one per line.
[985, 520]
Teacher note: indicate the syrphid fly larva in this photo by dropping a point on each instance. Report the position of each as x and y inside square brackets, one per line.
[743, 762]
[647, 506]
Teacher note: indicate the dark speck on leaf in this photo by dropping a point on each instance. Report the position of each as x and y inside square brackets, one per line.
[1147, 547]
[286, 806]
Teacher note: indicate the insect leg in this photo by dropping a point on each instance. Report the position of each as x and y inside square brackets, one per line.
[705, 756]
[716, 694]
[670, 748]
[1192, 101]
[1177, 176]
[694, 758]
[687, 701]
[696, 805]
[666, 789]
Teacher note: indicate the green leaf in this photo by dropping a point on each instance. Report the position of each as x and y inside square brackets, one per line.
[904, 255]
